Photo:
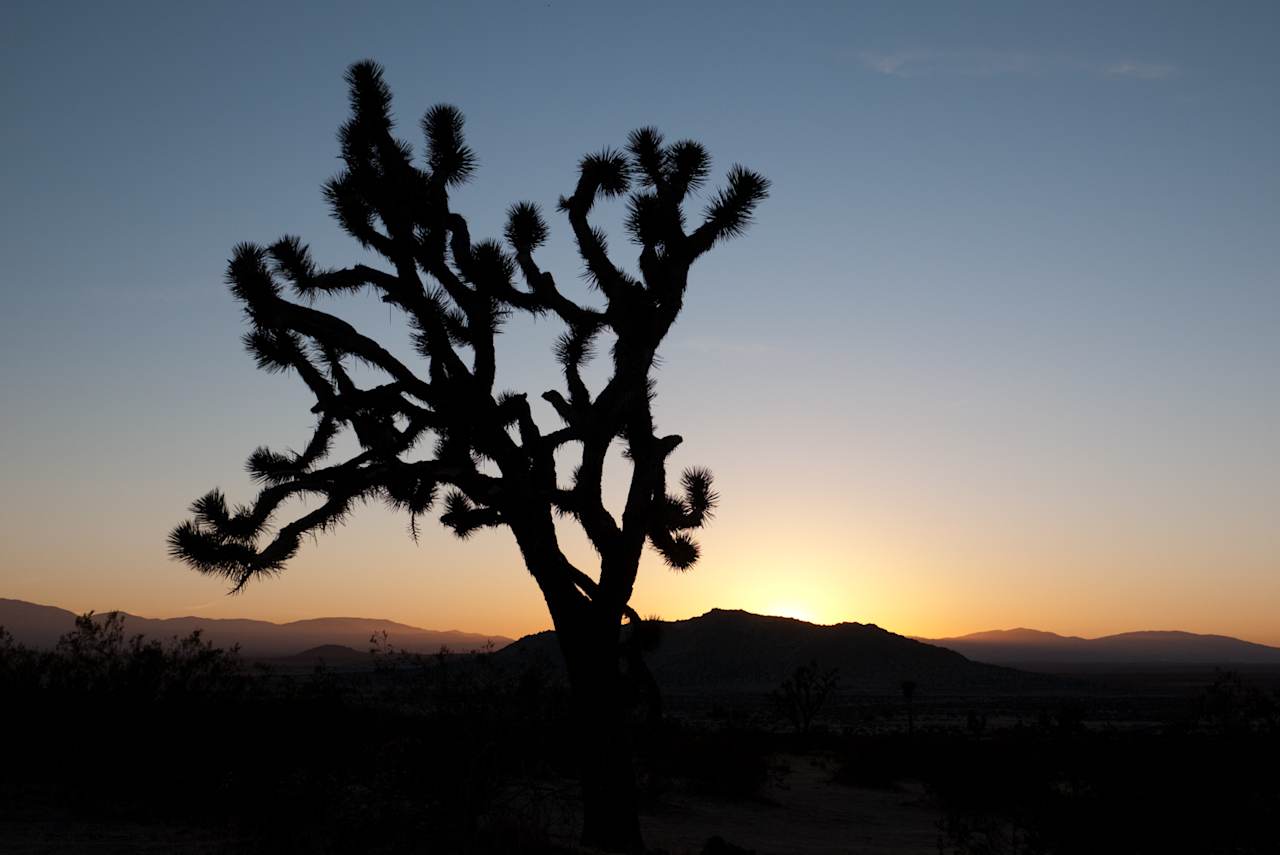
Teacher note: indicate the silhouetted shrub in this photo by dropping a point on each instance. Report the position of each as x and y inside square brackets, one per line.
[1229, 706]
[318, 762]
[1067, 790]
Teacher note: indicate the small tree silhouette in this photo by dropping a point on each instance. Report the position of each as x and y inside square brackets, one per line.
[495, 465]
[802, 695]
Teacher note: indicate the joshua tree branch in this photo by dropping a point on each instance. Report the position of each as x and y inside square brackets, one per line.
[402, 212]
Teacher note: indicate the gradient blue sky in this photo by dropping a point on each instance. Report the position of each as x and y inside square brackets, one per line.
[1000, 350]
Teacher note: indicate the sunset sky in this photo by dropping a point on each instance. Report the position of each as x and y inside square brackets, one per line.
[1002, 348]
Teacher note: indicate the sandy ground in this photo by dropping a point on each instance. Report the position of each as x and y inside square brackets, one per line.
[61, 837]
[801, 812]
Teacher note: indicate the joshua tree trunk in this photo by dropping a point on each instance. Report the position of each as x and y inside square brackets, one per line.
[610, 819]
[589, 633]
[609, 810]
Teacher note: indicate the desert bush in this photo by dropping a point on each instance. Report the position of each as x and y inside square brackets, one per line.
[116, 728]
[1231, 706]
[1039, 791]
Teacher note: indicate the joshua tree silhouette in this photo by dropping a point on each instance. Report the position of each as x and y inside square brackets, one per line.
[494, 464]
[802, 695]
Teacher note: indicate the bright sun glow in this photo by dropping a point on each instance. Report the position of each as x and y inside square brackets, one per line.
[791, 610]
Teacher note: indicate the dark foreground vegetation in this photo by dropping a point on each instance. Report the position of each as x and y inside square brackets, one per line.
[138, 745]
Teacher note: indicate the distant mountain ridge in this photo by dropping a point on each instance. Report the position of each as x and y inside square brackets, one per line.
[730, 648]
[40, 626]
[1026, 647]
[737, 651]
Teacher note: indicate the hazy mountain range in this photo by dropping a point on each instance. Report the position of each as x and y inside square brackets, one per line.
[41, 626]
[725, 648]
[1031, 647]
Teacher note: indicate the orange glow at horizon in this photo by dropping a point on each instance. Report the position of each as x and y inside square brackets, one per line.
[965, 553]
[869, 574]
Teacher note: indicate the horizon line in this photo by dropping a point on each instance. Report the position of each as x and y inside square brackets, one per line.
[914, 637]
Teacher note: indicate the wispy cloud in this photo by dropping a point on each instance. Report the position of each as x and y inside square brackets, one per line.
[948, 63]
[1141, 70]
[925, 62]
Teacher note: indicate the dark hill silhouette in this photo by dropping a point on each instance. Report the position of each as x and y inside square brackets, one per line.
[334, 655]
[41, 626]
[737, 651]
[1032, 647]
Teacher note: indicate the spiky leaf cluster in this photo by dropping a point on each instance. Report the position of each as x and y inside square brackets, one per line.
[487, 456]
